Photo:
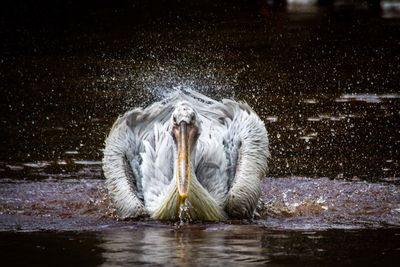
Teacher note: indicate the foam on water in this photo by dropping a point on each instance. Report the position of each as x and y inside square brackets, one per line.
[288, 203]
[184, 212]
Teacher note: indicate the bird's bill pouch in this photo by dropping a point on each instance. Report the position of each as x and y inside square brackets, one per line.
[185, 136]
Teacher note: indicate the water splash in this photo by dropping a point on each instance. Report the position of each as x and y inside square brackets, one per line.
[290, 203]
[184, 212]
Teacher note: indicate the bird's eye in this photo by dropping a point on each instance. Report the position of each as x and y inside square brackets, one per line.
[174, 119]
[192, 119]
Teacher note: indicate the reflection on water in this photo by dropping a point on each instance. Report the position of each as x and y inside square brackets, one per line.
[203, 245]
[181, 247]
[249, 246]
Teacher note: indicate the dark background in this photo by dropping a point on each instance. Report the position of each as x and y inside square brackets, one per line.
[69, 68]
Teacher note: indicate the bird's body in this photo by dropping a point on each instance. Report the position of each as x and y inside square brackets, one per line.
[187, 149]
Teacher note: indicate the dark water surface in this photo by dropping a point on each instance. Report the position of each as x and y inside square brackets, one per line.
[205, 245]
[324, 80]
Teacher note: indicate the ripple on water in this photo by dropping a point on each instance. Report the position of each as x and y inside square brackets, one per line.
[290, 203]
[57, 169]
[299, 201]
[367, 98]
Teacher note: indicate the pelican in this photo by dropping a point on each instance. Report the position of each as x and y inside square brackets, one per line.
[190, 151]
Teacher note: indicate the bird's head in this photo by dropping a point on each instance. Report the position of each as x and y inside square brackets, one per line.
[185, 131]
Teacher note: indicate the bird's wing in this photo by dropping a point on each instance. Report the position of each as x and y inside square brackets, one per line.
[246, 148]
[123, 153]
[121, 169]
[210, 166]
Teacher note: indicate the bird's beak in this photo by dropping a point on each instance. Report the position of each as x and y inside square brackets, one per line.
[185, 136]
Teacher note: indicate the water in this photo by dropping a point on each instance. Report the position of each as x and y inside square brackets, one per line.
[184, 212]
[204, 245]
[324, 80]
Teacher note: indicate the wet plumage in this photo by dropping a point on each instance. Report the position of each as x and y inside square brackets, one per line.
[187, 149]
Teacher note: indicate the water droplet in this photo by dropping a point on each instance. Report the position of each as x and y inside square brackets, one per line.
[184, 212]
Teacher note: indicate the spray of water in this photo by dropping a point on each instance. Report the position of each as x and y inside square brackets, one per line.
[184, 212]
